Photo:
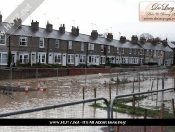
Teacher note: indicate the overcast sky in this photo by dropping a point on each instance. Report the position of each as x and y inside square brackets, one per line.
[121, 15]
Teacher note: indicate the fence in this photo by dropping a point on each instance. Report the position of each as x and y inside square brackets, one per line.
[71, 85]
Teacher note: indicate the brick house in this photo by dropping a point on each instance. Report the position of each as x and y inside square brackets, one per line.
[32, 44]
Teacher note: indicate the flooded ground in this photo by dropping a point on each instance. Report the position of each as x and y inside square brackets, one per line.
[70, 89]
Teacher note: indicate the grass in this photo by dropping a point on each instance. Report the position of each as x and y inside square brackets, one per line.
[121, 107]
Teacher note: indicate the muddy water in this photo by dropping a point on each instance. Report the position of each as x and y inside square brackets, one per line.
[69, 89]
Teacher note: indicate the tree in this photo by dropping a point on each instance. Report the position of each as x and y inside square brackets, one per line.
[147, 36]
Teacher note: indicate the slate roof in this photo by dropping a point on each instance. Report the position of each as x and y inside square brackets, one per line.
[55, 34]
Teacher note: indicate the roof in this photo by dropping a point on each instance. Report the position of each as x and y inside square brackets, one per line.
[158, 46]
[55, 34]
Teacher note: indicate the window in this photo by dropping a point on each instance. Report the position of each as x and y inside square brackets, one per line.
[91, 46]
[102, 59]
[117, 50]
[58, 58]
[23, 58]
[82, 59]
[2, 39]
[70, 59]
[70, 45]
[123, 51]
[3, 58]
[41, 57]
[130, 51]
[41, 42]
[92, 59]
[57, 44]
[23, 41]
[134, 51]
[147, 52]
[82, 46]
[108, 49]
[102, 48]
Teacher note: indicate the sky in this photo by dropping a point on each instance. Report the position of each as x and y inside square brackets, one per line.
[105, 16]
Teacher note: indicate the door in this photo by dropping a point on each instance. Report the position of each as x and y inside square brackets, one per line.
[50, 58]
[76, 60]
[64, 60]
[97, 60]
[33, 58]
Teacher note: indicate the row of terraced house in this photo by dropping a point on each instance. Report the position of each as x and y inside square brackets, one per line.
[32, 44]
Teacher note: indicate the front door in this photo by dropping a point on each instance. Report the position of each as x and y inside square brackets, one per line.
[64, 60]
[76, 60]
[97, 60]
[50, 58]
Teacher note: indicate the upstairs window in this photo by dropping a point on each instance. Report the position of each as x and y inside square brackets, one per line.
[2, 39]
[41, 42]
[91, 46]
[102, 48]
[118, 50]
[108, 49]
[123, 50]
[130, 51]
[70, 45]
[57, 44]
[82, 46]
[23, 41]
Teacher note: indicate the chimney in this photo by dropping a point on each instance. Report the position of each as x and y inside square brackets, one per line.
[122, 39]
[75, 31]
[62, 28]
[0, 18]
[134, 39]
[94, 34]
[18, 22]
[142, 40]
[49, 27]
[110, 36]
[164, 42]
[35, 25]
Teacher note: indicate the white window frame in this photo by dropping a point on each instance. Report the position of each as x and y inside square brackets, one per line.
[56, 56]
[23, 59]
[21, 41]
[123, 50]
[90, 46]
[102, 48]
[57, 43]
[41, 42]
[92, 59]
[82, 46]
[118, 50]
[108, 49]
[134, 51]
[2, 40]
[70, 59]
[82, 59]
[130, 51]
[40, 57]
[1, 58]
[70, 45]
[103, 60]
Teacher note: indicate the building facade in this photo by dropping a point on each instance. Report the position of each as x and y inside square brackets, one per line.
[32, 44]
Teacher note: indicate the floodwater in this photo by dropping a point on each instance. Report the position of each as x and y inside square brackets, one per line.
[70, 89]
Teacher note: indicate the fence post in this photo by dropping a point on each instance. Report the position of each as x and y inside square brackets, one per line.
[152, 85]
[110, 91]
[83, 93]
[133, 102]
[57, 74]
[95, 94]
[145, 116]
[139, 81]
[174, 84]
[162, 88]
[117, 85]
[162, 114]
[36, 76]
[133, 87]
[173, 107]
[157, 83]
